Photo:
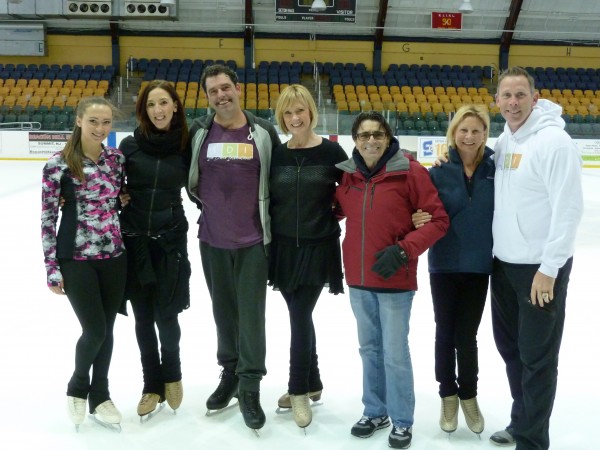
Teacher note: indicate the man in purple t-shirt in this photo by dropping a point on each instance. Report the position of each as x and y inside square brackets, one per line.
[229, 180]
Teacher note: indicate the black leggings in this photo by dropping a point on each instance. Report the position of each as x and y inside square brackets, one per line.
[458, 304]
[304, 367]
[95, 289]
[147, 314]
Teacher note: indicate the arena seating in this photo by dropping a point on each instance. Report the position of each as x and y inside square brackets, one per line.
[49, 94]
[419, 99]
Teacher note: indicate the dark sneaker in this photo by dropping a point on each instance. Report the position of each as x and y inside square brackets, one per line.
[400, 437]
[253, 414]
[503, 437]
[226, 390]
[367, 426]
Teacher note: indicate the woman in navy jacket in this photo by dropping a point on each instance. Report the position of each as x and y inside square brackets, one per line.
[461, 262]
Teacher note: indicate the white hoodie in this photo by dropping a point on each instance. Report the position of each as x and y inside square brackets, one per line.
[538, 194]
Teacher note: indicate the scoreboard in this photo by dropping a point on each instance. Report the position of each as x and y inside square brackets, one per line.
[301, 11]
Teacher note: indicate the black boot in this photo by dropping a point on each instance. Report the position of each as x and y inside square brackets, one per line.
[226, 390]
[253, 414]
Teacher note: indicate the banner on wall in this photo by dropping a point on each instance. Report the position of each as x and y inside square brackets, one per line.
[47, 143]
[430, 147]
[590, 149]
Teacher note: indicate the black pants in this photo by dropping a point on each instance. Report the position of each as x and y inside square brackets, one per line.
[304, 366]
[458, 303]
[158, 366]
[528, 338]
[95, 289]
[237, 283]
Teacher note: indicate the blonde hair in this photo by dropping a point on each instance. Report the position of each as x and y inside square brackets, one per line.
[477, 111]
[291, 94]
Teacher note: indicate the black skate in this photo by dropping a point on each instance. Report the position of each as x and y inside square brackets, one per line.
[226, 390]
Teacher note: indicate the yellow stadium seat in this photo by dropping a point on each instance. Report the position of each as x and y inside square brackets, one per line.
[398, 97]
[374, 97]
[401, 107]
[342, 106]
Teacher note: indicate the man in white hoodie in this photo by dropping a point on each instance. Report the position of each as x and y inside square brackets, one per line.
[538, 206]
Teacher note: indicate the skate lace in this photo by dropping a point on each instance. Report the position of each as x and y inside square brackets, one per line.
[146, 398]
[472, 410]
[450, 407]
[175, 389]
[252, 403]
[300, 403]
[108, 410]
[77, 405]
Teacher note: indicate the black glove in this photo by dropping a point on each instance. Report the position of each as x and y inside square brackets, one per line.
[389, 260]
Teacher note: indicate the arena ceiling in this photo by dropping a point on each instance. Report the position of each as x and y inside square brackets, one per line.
[576, 21]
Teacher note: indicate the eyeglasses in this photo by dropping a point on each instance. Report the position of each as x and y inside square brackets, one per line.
[377, 135]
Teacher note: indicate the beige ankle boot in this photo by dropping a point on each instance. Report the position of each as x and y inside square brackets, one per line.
[473, 415]
[449, 413]
[174, 394]
[301, 410]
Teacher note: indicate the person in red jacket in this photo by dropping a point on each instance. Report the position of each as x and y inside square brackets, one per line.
[380, 189]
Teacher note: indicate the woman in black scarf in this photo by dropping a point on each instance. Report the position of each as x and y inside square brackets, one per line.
[155, 229]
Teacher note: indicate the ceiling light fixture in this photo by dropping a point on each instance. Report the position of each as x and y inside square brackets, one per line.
[318, 6]
[466, 7]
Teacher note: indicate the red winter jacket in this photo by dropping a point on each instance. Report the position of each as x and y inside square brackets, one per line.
[379, 212]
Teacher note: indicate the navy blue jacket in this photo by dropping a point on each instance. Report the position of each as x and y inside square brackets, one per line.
[467, 246]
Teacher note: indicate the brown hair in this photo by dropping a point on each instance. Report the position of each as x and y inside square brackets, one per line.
[291, 94]
[516, 72]
[215, 70]
[178, 120]
[72, 152]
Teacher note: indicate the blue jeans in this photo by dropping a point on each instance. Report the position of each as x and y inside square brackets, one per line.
[383, 324]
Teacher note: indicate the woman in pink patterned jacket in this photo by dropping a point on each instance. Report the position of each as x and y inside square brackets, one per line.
[85, 258]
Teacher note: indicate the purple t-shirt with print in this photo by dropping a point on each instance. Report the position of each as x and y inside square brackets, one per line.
[229, 177]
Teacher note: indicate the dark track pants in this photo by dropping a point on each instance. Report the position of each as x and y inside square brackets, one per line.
[237, 283]
[528, 338]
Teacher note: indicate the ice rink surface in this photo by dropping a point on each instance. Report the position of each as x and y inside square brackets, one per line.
[38, 331]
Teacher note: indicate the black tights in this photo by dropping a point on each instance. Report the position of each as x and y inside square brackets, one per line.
[95, 289]
[147, 314]
[304, 367]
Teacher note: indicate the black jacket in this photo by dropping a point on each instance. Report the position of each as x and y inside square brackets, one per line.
[153, 223]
